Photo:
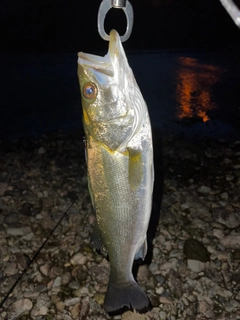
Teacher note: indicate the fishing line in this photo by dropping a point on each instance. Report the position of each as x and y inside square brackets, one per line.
[34, 257]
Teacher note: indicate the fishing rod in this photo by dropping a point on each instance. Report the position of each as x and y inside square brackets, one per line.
[232, 10]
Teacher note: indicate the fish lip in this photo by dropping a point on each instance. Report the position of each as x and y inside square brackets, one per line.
[98, 63]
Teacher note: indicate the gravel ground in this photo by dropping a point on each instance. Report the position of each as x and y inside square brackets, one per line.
[195, 270]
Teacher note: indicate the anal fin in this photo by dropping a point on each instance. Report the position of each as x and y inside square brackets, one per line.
[96, 241]
[142, 251]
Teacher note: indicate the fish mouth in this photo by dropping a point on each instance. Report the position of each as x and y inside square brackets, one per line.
[102, 64]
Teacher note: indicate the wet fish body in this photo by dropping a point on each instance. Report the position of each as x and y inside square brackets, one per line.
[119, 158]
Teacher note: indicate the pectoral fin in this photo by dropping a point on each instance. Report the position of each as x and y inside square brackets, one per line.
[142, 251]
[90, 192]
[135, 169]
[96, 240]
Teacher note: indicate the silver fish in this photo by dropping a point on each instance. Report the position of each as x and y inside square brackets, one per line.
[119, 156]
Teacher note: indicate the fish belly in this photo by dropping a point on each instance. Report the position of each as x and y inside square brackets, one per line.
[121, 211]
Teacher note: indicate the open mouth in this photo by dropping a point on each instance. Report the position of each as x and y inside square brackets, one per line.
[99, 63]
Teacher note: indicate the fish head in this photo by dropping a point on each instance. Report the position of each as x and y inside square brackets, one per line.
[108, 87]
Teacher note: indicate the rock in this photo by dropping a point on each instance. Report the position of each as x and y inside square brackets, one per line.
[134, 316]
[79, 274]
[54, 272]
[213, 274]
[206, 309]
[224, 196]
[11, 269]
[165, 300]
[47, 202]
[232, 241]
[100, 274]
[195, 265]
[11, 218]
[31, 294]
[41, 307]
[85, 307]
[236, 254]
[99, 297]
[60, 305]
[218, 233]
[19, 308]
[26, 209]
[45, 269]
[159, 290]
[204, 189]
[167, 266]
[195, 250]
[18, 231]
[74, 285]
[57, 282]
[3, 188]
[78, 259]
[142, 274]
[76, 310]
[227, 217]
[229, 177]
[71, 301]
[28, 236]
[222, 256]
[39, 311]
[66, 277]
[41, 150]
[175, 283]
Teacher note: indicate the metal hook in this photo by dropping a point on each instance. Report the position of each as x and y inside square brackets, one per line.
[105, 6]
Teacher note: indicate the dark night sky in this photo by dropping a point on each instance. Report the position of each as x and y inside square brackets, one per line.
[70, 26]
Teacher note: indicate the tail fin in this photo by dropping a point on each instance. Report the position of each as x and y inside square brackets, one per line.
[127, 296]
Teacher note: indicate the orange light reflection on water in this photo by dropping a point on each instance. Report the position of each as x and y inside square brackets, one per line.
[194, 86]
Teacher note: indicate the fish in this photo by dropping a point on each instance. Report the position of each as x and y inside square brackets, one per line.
[119, 155]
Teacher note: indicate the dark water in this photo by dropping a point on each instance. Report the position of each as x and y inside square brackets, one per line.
[194, 93]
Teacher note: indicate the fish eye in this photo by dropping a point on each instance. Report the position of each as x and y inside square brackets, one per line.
[90, 91]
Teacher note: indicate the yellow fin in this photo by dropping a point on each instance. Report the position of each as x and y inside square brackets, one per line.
[85, 118]
[135, 169]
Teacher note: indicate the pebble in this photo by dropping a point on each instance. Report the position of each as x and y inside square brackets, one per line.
[41, 150]
[11, 217]
[134, 316]
[227, 217]
[46, 268]
[143, 273]
[231, 241]
[19, 231]
[19, 308]
[195, 265]
[195, 250]
[78, 259]
[76, 311]
[26, 209]
[218, 233]
[165, 300]
[204, 189]
[11, 269]
[71, 301]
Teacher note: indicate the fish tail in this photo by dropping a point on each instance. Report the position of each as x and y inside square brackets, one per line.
[125, 296]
